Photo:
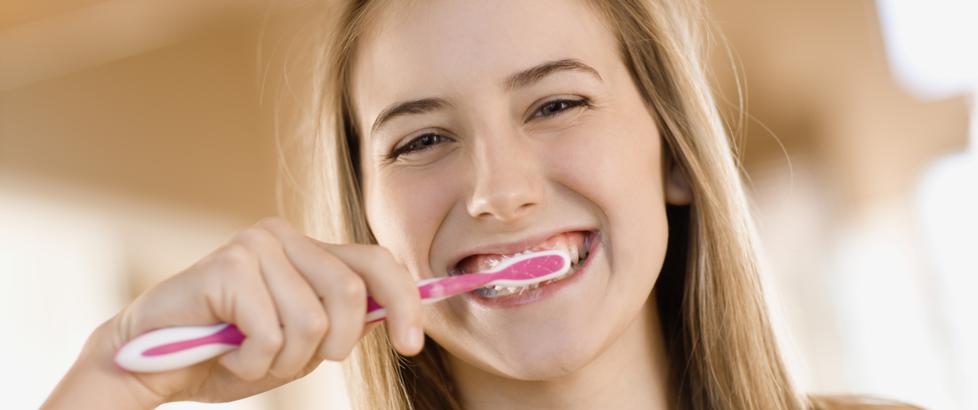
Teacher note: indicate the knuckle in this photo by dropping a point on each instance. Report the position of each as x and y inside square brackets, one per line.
[278, 373]
[352, 288]
[313, 326]
[234, 256]
[270, 343]
[273, 223]
[255, 237]
[282, 372]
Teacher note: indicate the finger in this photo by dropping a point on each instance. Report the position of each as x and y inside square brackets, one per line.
[386, 280]
[343, 291]
[303, 319]
[249, 306]
[391, 285]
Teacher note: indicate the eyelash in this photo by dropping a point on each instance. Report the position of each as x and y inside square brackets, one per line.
[407, 148]
[568, 104]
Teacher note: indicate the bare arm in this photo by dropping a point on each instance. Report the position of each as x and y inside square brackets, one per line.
[94, 382]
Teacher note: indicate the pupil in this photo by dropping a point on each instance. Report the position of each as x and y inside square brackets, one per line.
[553, 107]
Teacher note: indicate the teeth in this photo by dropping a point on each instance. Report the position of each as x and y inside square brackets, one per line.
[496, 291]
[560, 242]
[578, 255]
[572, 250]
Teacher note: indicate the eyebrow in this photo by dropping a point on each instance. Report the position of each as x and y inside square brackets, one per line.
[531, 75]
[421, 106]
[518, 80]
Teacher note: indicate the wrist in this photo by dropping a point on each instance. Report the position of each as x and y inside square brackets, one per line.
[96, 382]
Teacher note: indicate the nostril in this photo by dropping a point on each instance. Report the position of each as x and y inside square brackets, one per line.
[501, 207]
[505, 192]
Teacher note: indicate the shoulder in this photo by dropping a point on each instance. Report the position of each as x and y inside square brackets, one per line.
[857, 402]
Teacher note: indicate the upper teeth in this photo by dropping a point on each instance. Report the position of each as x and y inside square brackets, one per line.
[572, 250]
[577, 256]
[577, 253]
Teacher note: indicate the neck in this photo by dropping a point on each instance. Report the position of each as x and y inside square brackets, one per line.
[631, 373]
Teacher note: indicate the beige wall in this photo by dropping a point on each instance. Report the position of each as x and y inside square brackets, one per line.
[129, 168]
[178, 125]
[817, 77]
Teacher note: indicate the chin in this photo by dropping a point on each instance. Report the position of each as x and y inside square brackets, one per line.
[545, 353]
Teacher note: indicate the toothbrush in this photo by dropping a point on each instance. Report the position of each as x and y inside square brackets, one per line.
[181, 346]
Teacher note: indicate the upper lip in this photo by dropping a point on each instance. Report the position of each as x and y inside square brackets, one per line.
[507, 248]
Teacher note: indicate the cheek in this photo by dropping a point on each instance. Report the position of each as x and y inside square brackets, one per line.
[613, 161]
[405, 212]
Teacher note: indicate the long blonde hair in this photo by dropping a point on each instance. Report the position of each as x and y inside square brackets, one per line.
[714, 318]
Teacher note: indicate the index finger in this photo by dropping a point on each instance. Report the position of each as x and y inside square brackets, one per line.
[387, 281]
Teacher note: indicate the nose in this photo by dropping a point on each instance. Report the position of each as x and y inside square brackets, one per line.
[508, 182]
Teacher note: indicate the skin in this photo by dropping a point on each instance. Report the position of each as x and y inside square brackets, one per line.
[298, 300]
[502, 174]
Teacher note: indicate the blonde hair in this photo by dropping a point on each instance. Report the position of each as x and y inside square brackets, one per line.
[714, 318]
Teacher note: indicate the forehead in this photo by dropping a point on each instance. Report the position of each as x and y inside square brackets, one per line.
[452, 47]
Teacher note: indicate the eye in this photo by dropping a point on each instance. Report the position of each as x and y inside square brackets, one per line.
[420, 143]
[555, 107]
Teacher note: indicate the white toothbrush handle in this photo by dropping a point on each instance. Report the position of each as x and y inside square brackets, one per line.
[176, 347]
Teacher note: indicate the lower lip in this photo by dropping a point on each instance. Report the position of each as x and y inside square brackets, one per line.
[542, 292]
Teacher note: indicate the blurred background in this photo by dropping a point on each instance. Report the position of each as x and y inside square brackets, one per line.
[137, 136]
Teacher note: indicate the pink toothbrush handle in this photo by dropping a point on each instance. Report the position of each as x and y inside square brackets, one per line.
[181, 346]
[176, 347]
[434, 290]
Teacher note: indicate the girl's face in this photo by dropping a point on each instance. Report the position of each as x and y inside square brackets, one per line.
[491, 127]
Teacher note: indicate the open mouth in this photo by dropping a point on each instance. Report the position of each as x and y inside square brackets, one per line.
[577, 244]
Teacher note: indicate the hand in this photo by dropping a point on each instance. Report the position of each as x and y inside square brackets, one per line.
[299, 302]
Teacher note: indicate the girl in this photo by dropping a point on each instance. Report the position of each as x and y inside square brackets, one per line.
[451, 134]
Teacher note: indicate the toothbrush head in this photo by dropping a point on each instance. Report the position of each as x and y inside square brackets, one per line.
[530, 268]
[521, 270]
